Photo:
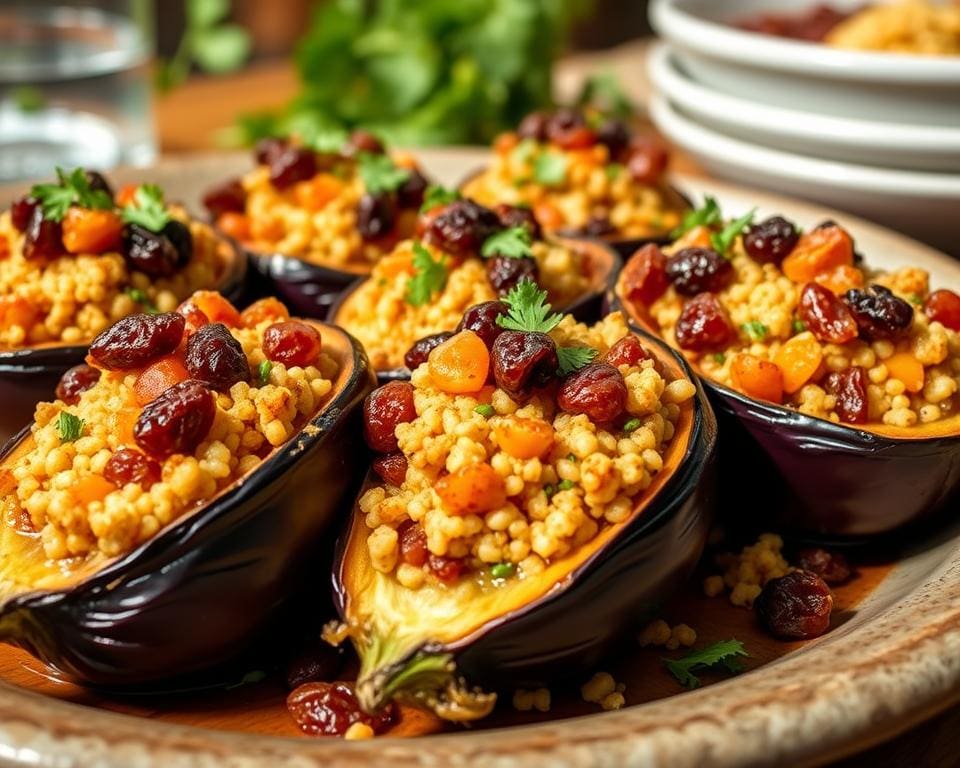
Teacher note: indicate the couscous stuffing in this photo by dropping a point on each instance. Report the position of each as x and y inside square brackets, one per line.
[908, 26]
[746, 573]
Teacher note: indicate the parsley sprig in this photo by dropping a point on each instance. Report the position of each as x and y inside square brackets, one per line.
[550, 169]
[140, 297]
[71, 189]
[147, 209]
[379, 173]
[723, 655]
[513, 242]
[756, 330]
[429, 277]
[722, 240]
[69, 427]
[437, 195]
[705, 216]
[574, 358]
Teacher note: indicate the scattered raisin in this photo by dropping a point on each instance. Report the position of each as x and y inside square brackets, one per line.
[178, 233]
[796, 606]
[615, 136]
[317, 661]
[568, 129]
[375, 216]
[290, 165]
[21, 211]
[177, 421]
[417, 354]
[229, 197]
[703, 324]
[627, 351]
[446, 569]
[267, 149]
[849, 387]
[534, 126]
[43, 238]
[215, 357]
[462, 226]
[383, 410]
[598, 225]
[292, 343]
[505, 272]
[482, 320]
[75, 381]
[943, 307]
[825, 315]
[137, 340]
[695, 270]
[515, 216]
[647, 160]
[597, 390]
[98, 181]
[363, 141]
[392, 468]
[413, 544]
[130, 466]
[522, 361]
[832, 567]
[329, 709]
[410, 193]
[770, 241]
[645, 275]
[879, 314]
[151, 253]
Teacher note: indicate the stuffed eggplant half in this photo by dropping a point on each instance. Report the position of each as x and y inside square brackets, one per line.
[74, 258]
[158, 513]
[467, 255]
[541, 486]
[838, 383]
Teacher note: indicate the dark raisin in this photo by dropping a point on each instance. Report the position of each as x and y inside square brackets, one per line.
[534, 126]
[98, 181]
[292, 164]
[292, 343]
[391, 468]
[596, 390]
[505, 272]
[43, 238]
[832, 567]
[178, 233]
[177, 421]
[229, 197]
[215, 357]
[75, 381]
[417, 354]
[461, 227]
[515, 216]
[825, 315]
[413, 543]
[943, 307]
[644, 277]
[879, 314]
[130, 466]
[267, 149]
[482, 320]
[703, 324]
[647, 160]
[383, 410]
[598, 225]
[375, 215]
[148, 252]
[849, 386]
[329, 709]
[446, 569]
[615, 136]
[410, 193]
[567, 128]
[695, 270]
[796, 606]
[522, 361]
[21, 211]
[770, 241]
[137, 340]
[363, 141]
[627, 351]
[315, 662]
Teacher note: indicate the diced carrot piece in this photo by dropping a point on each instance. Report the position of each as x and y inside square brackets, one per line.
[817, 252]
[395, 264]
[88, 230]
[757, 378]
[485, 395]
[505, 142]
[4, 247]
[216, 308]
[266, 229]
[158, 377]
[698, 237]
[472, 490]
[16, 310]
[841, 279]
[904, 366]
[403, 159]
[549, 216]
[127, 194]
[261, 310]
[92, 488]
[235, 225]
[314, 194]
[798, 359]
[524, 438]
[123, 423]
[460, 364]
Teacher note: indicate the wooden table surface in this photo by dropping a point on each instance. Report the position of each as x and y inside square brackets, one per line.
[195, 116]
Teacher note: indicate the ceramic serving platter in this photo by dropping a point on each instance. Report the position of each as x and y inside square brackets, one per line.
[891, 660]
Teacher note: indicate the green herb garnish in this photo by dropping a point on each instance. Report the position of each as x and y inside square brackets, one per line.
[502, 570]
[379, 173]
[69, 426]
[429, 277]
[437, 195]
[140, 297]
[632, 425]
[147, 209]
[604, 91]
[323, 139]
[72, 189]
[565, 485]
[613, 170]
[574, 358]
[756, 330]
[529, 310]
[571, 457]
[250, 678]
[263, 372]
[721, 655]
[722, 240]
[916, 298]
[550, 169]
[484, 409]
[799, 326]
[514, 243]
[706, 216]
[549, 490]
[719, 358]
[523, 153]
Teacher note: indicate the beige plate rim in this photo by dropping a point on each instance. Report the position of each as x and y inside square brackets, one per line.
[865, 681]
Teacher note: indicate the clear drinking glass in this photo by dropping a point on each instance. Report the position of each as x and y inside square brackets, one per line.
[74, 85]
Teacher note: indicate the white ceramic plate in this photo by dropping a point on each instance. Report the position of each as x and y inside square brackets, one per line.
[908, 147]
[925, 205]
[806, 76]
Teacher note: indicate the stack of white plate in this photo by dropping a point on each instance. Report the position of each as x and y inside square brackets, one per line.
[872, 133]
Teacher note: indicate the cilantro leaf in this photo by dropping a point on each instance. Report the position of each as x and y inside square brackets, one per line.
[263, 372]
[141, 298]
[72, 189]
[514, 243]
[613, 170]
[722, 654]
[147, 209]
[379, 173]
[756, 330]
[529, 310]
[708, 215]
[429, 277]
[437, 195]
[69, 427]
[574, 358]
[722, 240]
[550, 169]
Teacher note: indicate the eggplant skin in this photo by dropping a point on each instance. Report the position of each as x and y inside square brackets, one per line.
[201, 591]
[309, 290]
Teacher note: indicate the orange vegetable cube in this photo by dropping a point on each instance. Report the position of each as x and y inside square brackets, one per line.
[472, 490]
[841, 279]
[798, 360]
[216, 308]
[757, 378]
[235, 225]
[460, 364]
[158, 377]
[395, 264]
[87, 230]
[904, 366]
[261, 310]
[92, 488]
[549, 216]
[524, 438]
[817, 252]
[314, 194]
[16, 310]
[126, 195]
